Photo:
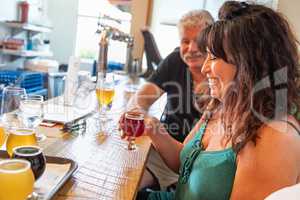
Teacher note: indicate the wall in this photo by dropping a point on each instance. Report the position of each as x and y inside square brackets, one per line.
[213, 6]
[8, 10]
[140, 14]
[63, 15]
[169, 11]
[291, 10]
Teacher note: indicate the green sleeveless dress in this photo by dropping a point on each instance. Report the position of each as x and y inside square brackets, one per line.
[204, 175]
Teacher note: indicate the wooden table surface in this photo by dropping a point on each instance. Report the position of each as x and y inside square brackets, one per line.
[107, 170]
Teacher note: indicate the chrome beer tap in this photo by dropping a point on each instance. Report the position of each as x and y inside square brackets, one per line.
[108, 32]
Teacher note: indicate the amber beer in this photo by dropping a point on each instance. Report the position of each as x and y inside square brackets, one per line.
[133, 127]
[34, 155]
[105, 96]
[20, 137]
[16, 179]
[2, 136]
[134, 124]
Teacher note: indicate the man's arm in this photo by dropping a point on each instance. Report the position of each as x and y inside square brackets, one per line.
[145, 97]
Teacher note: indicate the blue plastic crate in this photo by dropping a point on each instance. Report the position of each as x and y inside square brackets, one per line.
[23, 79]
[33, 82]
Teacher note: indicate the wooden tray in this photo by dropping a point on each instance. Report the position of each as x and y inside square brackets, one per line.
[54, 160]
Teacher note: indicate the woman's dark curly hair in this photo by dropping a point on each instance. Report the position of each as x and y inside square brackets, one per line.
[260, 43]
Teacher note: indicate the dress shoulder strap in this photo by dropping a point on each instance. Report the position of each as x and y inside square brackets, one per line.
[198, 136]
[292, 125]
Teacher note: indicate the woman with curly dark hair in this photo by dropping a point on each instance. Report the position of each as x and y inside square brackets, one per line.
[247, 143]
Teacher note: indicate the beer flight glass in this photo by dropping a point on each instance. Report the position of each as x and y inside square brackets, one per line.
[133, 127]
[20, 137]
[2, 135]
[34, 155]
[17, 179]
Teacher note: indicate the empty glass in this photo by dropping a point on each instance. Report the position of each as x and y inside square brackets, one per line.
[31, 112]
[11, 98]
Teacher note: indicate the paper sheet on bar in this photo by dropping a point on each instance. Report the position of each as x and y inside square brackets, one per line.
[52, 176]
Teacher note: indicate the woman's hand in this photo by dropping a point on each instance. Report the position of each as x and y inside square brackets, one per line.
[131, 123]
[152, 126]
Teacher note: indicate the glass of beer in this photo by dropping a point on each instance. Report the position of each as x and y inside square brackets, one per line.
[2, 135]
[133, 127]
[105, 92]
[20, 137]
[16, 179]
[34, 155]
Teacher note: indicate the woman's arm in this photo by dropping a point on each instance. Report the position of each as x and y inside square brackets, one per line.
[271, 164]
[167, 146]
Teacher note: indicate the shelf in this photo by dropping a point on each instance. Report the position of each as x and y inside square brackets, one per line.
[28, 27]
[25, 53]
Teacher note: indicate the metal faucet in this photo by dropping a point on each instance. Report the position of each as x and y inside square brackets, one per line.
[106, 33]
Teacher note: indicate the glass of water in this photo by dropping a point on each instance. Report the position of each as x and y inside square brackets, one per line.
[10, 103]
[31, 112]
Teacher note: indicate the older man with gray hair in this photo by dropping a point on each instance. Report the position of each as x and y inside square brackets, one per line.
[178, 76]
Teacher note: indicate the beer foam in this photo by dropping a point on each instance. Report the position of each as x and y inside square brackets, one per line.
[37, 150]
[18, 165]
[21, 131]
[134, 116]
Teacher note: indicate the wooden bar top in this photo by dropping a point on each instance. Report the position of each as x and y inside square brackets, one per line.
[106, 169]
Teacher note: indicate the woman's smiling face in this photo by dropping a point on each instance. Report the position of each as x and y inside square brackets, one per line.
[220, 75]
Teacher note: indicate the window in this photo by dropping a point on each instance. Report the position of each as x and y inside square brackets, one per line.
[87, 40]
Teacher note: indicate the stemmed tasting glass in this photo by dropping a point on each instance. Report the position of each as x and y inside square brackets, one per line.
[17, 179]
[133, 127]
[105, 91]
[31, 112]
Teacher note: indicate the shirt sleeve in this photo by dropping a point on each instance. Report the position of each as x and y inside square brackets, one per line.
[165, 70]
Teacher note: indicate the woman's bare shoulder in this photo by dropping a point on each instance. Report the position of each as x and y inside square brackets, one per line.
[281, 132]
[277, 141]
